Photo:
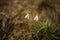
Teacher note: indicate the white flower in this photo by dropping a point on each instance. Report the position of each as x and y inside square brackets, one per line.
[27, 16]
[36, 18]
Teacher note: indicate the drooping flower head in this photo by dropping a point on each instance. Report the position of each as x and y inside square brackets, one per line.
[27, 16]
[36, 17]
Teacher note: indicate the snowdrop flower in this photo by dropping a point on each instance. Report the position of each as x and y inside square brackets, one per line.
[27, 16]
[36, 18]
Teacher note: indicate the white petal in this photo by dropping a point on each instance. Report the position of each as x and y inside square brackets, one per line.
[27, 16]
[36, 18]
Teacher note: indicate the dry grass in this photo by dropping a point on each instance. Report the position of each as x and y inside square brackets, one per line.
[14, 26]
